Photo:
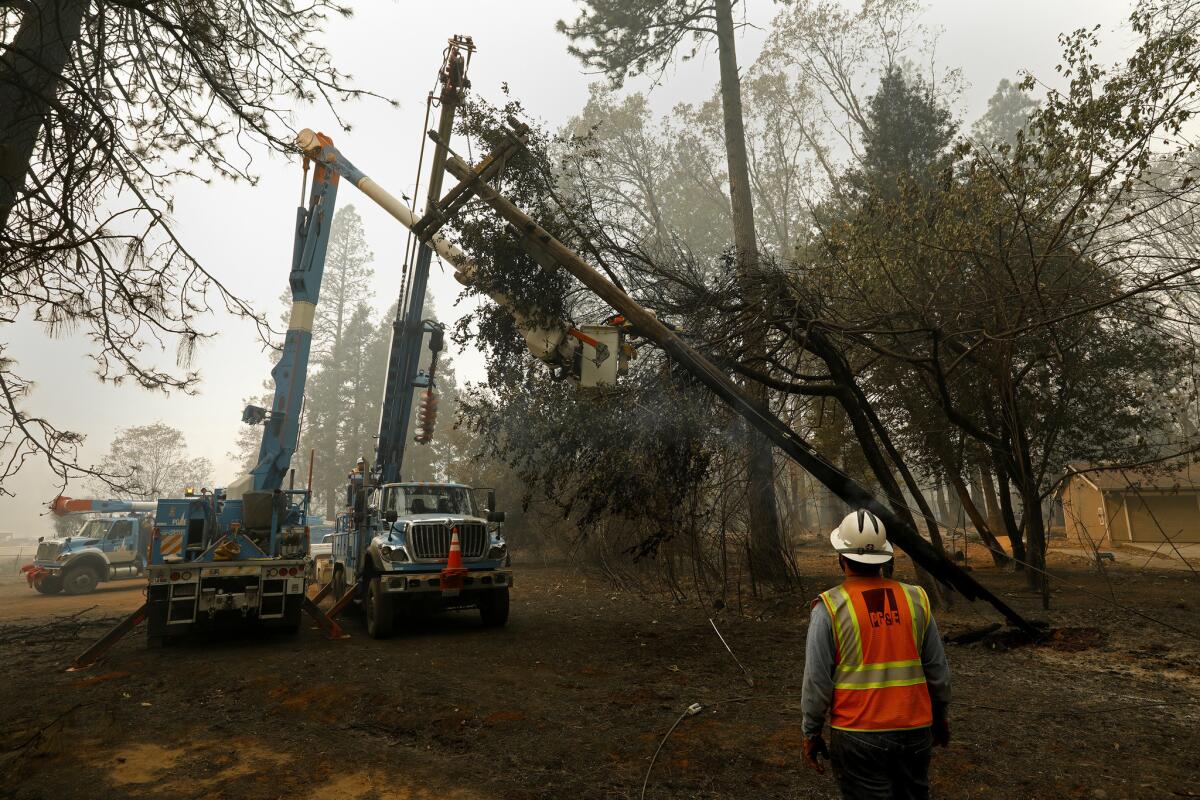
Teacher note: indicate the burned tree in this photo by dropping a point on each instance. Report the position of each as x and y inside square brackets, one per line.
[104, 105]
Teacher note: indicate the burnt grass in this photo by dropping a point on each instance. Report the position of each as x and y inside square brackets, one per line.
[572, 698]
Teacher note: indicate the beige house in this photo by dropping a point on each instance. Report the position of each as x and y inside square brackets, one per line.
[1107, 507]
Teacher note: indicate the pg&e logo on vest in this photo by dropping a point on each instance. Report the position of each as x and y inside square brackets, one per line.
[881, 607]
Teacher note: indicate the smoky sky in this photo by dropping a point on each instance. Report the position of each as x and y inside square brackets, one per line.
[243, 233]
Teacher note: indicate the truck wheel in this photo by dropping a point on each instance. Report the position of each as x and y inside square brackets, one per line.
[48, 584]
[381, 615]
[493, 607]
[80, 580]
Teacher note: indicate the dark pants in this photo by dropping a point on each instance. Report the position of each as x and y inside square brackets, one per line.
[882, 766]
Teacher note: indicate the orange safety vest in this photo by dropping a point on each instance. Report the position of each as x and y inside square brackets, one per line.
[878, 680]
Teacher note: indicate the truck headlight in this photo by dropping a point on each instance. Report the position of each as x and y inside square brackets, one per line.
[497, 551]
[62, 556]
[394, 554]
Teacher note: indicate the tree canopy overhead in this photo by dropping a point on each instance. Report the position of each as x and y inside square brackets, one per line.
[104, 106]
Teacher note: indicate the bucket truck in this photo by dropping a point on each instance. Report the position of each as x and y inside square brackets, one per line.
[107, 548]
[239, 556]
[395, 555]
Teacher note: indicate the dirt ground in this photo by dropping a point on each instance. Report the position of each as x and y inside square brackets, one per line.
[572, 698]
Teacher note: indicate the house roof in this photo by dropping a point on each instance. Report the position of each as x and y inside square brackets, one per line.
[1183, 478]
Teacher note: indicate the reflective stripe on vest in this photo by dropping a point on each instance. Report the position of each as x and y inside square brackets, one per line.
[885, 688]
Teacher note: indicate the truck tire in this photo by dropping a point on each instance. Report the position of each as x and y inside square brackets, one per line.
[80, 580]
[48, 584]
[493, 607]
[381, 613]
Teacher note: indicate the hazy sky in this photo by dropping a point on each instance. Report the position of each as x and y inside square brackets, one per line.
[243, 234]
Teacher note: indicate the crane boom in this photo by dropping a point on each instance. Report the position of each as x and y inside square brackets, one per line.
[409, 329]
[62, 506]
[281, 423]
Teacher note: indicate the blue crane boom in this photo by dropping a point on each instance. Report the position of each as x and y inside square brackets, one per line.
[409, 329]
[281, 428]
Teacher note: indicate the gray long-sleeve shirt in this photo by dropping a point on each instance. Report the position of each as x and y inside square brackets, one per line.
[820, 659]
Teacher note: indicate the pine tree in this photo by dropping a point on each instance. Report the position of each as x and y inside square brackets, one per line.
[908, 137]
[345, 288]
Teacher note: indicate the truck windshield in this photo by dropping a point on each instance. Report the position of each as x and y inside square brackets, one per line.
[429, 499]
[94, 529]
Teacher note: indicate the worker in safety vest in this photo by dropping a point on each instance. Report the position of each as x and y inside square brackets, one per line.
[875, 667]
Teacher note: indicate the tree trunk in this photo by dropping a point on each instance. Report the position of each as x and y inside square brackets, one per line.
[947, 517]
[898, 462]
[30, 71]
[1010, 519]
[999, 557]
[989, 498]
[1034, 523]
[766, 551]
[864, 432]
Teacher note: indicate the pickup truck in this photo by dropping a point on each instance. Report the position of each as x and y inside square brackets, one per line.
[105, 549]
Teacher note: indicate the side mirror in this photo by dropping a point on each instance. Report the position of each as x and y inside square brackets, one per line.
[495, 516]
[390, 515]
[491, 504]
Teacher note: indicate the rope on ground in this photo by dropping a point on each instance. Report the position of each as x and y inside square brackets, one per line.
[690, 711]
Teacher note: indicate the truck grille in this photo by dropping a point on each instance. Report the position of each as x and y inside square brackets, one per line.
[47, 551]
[432, 539]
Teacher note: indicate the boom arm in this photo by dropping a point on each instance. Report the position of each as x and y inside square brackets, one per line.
[63, 506]
[281, 427]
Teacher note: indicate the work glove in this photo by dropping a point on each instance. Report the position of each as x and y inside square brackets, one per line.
[941, 731]
[814, 751]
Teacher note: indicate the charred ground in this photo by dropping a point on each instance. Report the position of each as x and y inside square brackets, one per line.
[573, 697]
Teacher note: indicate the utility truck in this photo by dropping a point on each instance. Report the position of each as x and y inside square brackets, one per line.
[407, 563]
[239, 556]
[417, 546]
[107, 548]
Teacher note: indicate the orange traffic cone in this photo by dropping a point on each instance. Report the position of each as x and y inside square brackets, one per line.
[452, 575]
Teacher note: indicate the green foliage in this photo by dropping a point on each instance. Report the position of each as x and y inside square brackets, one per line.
[1008, 113]
[907, 138]
[624, 38]
[503, 266]
[991, 301]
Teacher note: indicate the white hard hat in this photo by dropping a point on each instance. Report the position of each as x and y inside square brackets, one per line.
[861, 537]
